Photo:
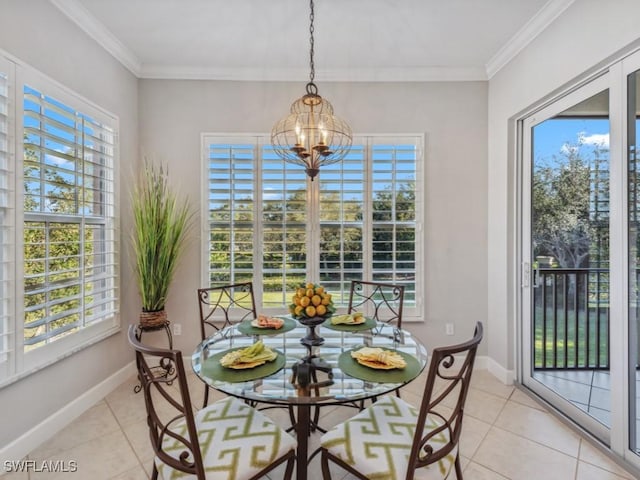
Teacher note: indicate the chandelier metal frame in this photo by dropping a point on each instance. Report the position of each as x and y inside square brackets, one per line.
[311, 135]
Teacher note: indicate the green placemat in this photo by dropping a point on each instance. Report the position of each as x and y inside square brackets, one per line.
[368, 324]
[351, 367]
[248, 329]
[213, 370]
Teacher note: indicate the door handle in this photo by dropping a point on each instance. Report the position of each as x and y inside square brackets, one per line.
[526, 272]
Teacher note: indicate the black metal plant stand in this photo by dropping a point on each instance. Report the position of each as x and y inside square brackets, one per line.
[162, 370]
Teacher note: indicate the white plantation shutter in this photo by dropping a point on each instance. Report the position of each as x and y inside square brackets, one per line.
[230, 207]
[7, 214]
[284, 228]
[69, 219]
[342, 216]
[394, 195]
[357, 220]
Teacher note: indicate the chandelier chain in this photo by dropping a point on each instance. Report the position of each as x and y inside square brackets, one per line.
[312, 74]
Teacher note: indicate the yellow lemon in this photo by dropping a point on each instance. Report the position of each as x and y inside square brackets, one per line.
[301, 292]
[310, 310]
[319, 290]
[310, 292]
[316, 300]
[296, 300]
[304, 301]
[325, 301]
[321, 310]
[310, 285]
[298, 310]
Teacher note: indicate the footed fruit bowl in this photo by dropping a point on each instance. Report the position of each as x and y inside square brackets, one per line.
[311, 305]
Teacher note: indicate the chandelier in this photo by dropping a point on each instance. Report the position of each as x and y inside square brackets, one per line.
[311, 135]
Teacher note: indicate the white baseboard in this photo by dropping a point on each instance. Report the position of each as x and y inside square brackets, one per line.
[505, 376]
[42, 432]
[480, 362]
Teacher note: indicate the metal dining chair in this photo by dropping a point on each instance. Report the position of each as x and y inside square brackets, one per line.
[381, 301]
[393, 439]
[227, 439]
[222, 306]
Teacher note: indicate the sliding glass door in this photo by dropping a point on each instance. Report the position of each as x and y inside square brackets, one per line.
[566, 255]
[632, 71]
[580, 255]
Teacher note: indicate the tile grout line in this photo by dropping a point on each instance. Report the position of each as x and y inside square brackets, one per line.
[126, 437]
[472, 457]
[575, 475]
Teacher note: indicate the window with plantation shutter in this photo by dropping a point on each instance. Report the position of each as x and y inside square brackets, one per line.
[358, 220]
[58, 203]
[393, 215]
[69, 213]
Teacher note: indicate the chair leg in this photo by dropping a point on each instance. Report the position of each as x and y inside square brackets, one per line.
[288, 473]
[292, 416]
[206, 396]
[458, 469]
[326, 474]
[154, 473]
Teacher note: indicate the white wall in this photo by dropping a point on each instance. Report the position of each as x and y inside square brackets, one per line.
[586, 34]
[37, 33]
[173, 114]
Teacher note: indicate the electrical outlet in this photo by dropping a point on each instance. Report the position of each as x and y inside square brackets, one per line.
[449, 328]
[177, 329]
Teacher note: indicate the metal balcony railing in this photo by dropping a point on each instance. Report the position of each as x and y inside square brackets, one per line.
[571, 318]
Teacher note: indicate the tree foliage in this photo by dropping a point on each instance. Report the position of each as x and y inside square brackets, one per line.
[567, 199]
[284, 236]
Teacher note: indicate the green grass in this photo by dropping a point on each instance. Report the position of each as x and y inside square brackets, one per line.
[577, 340]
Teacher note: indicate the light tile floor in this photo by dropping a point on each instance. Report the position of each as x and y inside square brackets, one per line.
[586, 389]
[506, 435]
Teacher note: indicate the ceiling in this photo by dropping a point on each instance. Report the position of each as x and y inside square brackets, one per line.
[355, 40]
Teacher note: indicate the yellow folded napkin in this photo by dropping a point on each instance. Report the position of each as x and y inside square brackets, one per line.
[354, 318]
[248, 357]
[378, 358]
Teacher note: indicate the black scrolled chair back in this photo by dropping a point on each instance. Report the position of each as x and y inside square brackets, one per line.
[156, 394]
[226, 304]
[383, 301]
[449, 376]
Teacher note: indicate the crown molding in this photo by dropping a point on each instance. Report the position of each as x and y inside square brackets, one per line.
[534, 27]
[78, 14]
[415, 74]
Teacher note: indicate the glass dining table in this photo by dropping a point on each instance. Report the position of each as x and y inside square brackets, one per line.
[308, 373]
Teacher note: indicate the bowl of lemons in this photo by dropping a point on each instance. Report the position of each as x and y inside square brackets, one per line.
[311, 305]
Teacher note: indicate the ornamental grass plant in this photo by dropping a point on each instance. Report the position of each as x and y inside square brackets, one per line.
[162, 222]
